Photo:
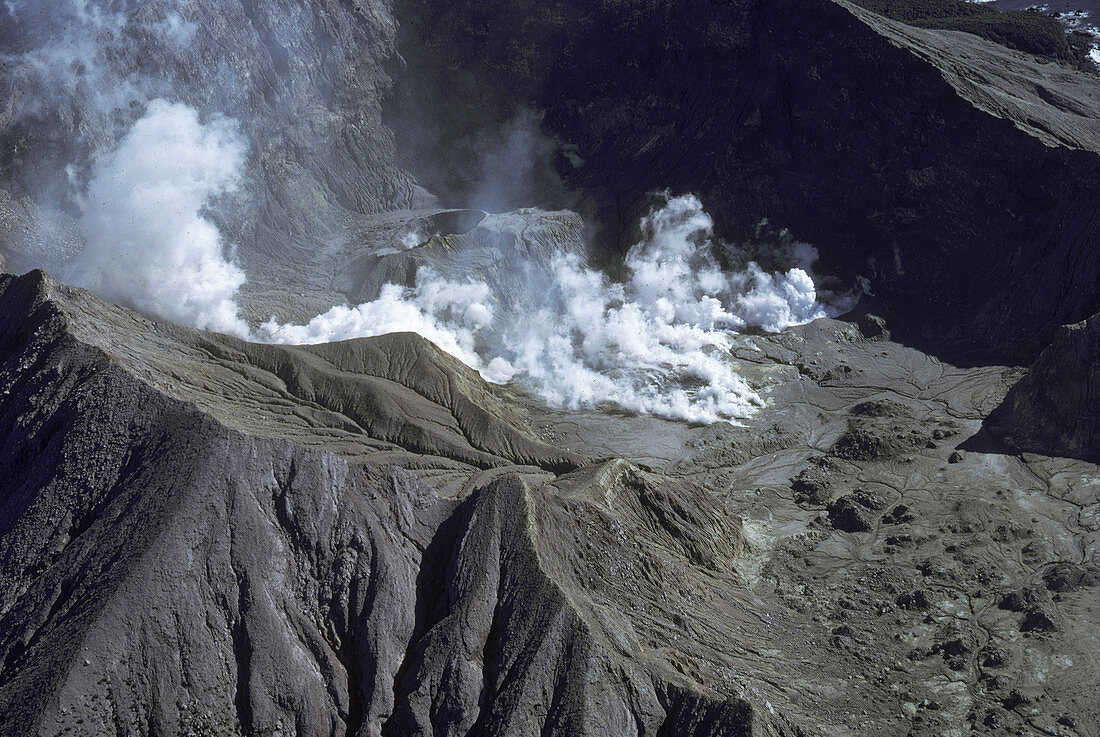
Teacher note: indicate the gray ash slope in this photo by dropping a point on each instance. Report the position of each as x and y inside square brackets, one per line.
[204, 536]
[316, 569]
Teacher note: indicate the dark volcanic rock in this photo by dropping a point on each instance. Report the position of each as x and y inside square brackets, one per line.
[1064, 577]
[1055, 408]
[876, 440]
[869, 499]
[914, 600]
[881, 408]
[213, 537]
[1038, 619]
[845, 514]
[862, 443]
[898, 515]
[873, 327]
[1022, 600]
[812, 485]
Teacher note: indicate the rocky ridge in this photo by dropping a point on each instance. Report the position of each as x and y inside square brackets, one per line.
[1055, 409]
[200, 539]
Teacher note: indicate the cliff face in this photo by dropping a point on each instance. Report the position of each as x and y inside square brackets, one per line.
[955, 174]
[1055, 408]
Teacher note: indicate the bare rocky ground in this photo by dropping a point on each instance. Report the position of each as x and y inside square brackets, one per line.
[205, 536]
[956, 590]
[201, 536]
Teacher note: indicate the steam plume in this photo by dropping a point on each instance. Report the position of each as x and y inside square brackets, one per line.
[656, 344]
[147, 243]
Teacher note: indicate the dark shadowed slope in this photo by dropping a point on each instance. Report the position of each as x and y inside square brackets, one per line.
[1055, 409]
[956, 174]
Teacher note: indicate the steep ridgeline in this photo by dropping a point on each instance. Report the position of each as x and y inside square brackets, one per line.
[957, 175]
[206, 537]
[202, 536]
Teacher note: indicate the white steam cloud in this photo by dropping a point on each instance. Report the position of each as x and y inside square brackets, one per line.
[450, 314]
[656, 344]
[141, 197]
[147, 242]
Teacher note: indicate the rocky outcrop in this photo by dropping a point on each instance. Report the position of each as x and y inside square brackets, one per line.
[1055, 408]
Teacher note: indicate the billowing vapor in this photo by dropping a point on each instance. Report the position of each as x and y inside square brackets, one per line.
[141, 189]
[657, 343]
[450, 314]
[140, 196]
[147, 242]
